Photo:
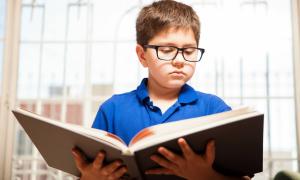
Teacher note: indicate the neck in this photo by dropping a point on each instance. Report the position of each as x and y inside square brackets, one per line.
[160, 93]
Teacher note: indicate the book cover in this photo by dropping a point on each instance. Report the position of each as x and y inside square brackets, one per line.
[238, 136]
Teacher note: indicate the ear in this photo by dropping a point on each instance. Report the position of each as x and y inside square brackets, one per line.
[141, 55]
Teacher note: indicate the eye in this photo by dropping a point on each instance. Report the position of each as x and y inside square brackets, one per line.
[189, 51]
[166, 49]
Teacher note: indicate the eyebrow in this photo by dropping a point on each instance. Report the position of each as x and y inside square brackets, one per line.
[172, 44]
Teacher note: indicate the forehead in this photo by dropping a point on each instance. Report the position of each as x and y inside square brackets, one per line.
[175, 36]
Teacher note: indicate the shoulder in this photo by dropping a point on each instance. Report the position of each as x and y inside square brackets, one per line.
[213, 103]
[119, 99]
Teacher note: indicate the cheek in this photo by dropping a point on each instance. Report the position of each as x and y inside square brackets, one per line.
[160, 68]
[191, 68]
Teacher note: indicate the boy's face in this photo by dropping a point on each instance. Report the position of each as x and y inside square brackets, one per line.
[174, 73]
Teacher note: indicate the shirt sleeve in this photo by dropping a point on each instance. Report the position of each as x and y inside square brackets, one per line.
[101, 121]
[217, 105]
[105, 117]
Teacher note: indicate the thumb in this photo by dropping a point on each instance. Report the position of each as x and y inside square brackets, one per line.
[210, 152]
[79, 159]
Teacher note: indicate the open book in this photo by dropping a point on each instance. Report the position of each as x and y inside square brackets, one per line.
[238, 136]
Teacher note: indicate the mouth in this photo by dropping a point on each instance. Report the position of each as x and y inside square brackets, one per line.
[177, 73]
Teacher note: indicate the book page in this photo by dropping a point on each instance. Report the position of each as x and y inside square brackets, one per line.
[101, 135]
[96, 134]
[161, 132]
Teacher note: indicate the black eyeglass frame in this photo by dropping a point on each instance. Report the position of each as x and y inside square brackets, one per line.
[178, 49]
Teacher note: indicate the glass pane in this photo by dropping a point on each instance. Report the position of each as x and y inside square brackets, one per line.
[95, 107]
[28, 71]
[205, 77]
[233, 102]
[281, 73]
[254, 75]
[32, 21]
[75, 113]
[52, 71]
[102, 63]
[210, 16]
[127, 25]
[55, 18]
[2, 18]
[232, 77]
[75, 69]
[127, 68]
[102, 66]
[77, 22]
[104, 29]
[36, 1]
[283, 135]
[51, 109]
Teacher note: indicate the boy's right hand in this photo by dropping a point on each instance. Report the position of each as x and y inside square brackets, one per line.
[97, 169]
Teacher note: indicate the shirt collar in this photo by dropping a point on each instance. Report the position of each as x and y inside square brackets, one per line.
[142, 91]
[187, 93]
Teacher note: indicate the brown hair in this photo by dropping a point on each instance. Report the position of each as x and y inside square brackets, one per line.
[163, 15]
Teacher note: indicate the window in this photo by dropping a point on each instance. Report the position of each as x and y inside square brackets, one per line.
[74, 54]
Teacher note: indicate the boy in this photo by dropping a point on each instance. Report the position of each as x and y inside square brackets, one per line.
[167, 44]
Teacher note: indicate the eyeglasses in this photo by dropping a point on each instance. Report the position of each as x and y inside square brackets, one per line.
[169, 53]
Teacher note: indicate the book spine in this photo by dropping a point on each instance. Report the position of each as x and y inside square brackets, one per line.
[133, 170]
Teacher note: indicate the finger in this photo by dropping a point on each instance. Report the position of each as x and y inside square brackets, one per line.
[118, 173]
[163, 162]
[159, 171]
[188, 153]
[246, 178]
[80, 159]
[172, 157]
[210, 152]
[98, 162]
[110, 168]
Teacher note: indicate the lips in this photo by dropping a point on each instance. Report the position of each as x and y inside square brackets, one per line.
[177, 73]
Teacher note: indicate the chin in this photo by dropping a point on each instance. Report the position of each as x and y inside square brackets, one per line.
[175, 83]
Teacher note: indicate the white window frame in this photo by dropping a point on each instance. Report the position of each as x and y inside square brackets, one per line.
[10, 75]
[296, 58]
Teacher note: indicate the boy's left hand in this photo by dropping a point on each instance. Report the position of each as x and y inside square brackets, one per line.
[190, 165]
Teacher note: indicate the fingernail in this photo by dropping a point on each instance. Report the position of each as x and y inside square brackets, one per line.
[152, 157]
[119, 163]
[74, 153]
[181, 140]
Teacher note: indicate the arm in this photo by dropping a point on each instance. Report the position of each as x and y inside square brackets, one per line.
[191, 165]
[97, 170]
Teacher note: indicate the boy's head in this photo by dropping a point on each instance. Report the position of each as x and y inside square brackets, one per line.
[163, 15]
[167, 43]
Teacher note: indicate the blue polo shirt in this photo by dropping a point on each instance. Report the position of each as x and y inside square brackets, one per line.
[126, 114]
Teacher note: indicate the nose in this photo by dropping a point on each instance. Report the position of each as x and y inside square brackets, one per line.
[179, 60]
